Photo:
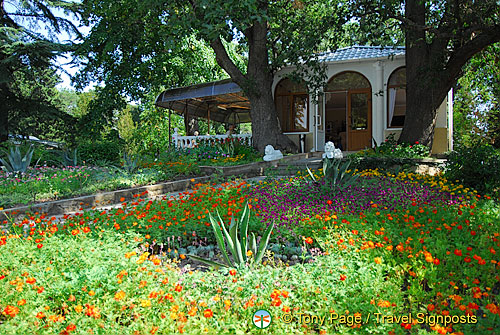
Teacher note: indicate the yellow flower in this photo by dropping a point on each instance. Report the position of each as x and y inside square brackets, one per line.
[145, 303]
[249, 253]
[119, 295]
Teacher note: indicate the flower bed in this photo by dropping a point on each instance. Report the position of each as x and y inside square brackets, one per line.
[51, 183]
[415, 245]
[40, 184]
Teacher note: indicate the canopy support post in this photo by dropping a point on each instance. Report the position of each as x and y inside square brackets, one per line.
[208, 118]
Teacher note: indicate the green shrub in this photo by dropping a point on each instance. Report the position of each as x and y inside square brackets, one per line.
[391, 148]
[105, 150]
[476, 166]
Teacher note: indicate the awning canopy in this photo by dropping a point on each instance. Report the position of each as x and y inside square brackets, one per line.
[221, 101]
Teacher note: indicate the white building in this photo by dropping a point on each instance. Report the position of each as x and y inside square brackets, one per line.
[364, 101]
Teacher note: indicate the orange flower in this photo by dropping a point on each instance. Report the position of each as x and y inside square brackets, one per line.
[78, 308]
[119, 295]
[193, 311]
[40, 315]
[71, 327]
[378, 260]
[10, 310]
[309, 240]
[384, 303]
[276, 302]
[75, 232]
[21, 302]
[178, 288]
[232, 272]
[343, 277]
[92, 311]
[208, 313]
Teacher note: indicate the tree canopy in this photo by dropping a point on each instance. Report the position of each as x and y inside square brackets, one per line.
[28, 47]
[149, 45]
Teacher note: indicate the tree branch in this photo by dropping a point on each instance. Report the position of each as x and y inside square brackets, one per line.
[470, 48]
[225, 61]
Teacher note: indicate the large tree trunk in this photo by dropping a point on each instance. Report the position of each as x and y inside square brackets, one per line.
[4, 114]
[257, 85]
[266, 128]
[432, 69]
[421, 108]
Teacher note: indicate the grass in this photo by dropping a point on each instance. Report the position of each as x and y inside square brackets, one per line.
[367, 263]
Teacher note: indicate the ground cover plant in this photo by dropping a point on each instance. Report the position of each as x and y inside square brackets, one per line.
[390, 155]
[418, 245]
[43, 183]
[476, 165]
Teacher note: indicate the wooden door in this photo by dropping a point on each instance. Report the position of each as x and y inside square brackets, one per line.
[359, 120]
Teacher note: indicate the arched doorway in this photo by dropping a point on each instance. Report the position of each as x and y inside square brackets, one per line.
[348, 111]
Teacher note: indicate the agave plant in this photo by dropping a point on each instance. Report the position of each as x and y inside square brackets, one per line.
[70, 158]
[335, 172]
[130, 163]
[238, 246]
[15, 161]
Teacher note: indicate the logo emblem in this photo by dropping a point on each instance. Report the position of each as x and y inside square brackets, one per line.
[262, 319]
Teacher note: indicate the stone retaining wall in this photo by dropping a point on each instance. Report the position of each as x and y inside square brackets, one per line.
[75, 204]
[107, 198]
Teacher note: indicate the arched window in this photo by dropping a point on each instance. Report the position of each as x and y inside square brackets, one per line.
[396, 98]
[348, 81]
[292, 106]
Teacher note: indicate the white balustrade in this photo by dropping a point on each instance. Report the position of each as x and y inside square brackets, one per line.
[192, 141]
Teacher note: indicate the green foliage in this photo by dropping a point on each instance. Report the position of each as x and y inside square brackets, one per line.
[15, 161]
[91, 152]
[226, 147]
[237, 246]
[476, 103]
[126, 128]
[35, 107]
[476, 166]
[391, 148]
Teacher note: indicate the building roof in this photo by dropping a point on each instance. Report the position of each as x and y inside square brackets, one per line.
[360, 52]
[221, 101]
